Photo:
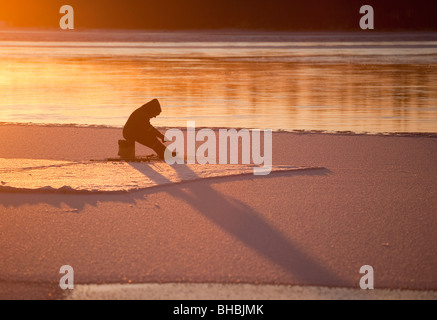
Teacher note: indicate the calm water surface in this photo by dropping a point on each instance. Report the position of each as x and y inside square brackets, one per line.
[377, 83]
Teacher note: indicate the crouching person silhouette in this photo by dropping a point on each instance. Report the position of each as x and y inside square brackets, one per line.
[138, 128]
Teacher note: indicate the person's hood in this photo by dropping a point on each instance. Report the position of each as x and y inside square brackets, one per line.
[153, 107]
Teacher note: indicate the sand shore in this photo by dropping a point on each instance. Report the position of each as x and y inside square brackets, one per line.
[374, 204]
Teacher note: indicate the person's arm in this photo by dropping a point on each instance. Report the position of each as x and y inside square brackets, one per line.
[156, 132]
[159, 134]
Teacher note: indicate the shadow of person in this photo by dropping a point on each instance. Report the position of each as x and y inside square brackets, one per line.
[245, 224]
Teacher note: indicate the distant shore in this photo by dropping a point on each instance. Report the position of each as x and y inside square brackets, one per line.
[133, 35]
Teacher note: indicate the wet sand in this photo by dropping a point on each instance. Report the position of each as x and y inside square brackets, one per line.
[374, 205]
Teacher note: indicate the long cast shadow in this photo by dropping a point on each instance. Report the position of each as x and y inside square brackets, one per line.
[245, 224]
[77, 201]
[236, 218]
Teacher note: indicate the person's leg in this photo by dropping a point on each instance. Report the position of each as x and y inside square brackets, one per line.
[159, 148]
[154, 144]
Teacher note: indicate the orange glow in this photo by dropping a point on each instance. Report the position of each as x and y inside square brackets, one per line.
[282, 95]
[295, 84]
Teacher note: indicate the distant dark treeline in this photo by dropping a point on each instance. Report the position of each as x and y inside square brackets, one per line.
[293, 15]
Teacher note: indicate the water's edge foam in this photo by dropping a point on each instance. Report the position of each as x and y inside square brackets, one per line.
[296, 131]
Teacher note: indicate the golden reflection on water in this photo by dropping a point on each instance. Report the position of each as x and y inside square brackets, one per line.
[221, 93]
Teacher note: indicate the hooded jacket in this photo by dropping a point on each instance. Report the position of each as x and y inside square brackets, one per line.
[138, 123]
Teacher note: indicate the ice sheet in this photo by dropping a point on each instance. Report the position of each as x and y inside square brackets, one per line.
[64, 176]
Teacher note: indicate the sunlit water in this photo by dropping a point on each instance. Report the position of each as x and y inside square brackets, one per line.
[356, 82]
